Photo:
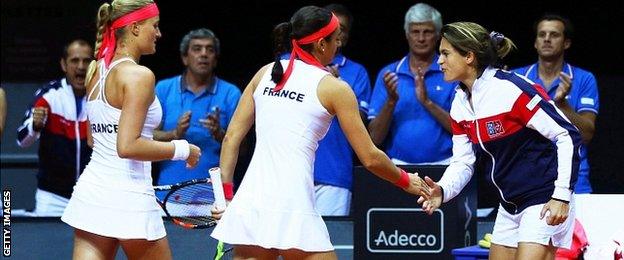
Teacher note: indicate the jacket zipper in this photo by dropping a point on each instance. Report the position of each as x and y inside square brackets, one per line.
[77, 131]
[500, 191]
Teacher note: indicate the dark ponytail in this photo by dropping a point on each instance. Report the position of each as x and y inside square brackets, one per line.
[281, 44]
[305, 21]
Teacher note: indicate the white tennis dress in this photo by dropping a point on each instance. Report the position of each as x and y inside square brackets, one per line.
[274, 206]
[114, 197]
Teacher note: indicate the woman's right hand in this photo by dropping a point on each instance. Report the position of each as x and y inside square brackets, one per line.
[193, 157]
[435, 200]
[417, 186]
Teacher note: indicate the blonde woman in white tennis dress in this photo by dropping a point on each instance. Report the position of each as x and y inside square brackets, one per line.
[113, 202]
[273, 212]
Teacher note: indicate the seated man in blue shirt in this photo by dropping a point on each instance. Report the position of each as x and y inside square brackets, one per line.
[333, 167]
[573, 89]
[197, 106]
[410, 101]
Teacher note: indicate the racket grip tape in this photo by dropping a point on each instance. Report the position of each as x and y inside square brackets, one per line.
[217, 187]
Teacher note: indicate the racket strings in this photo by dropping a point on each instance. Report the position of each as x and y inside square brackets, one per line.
[192, 203]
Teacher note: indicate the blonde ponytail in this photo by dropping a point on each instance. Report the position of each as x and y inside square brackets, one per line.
[103, 19]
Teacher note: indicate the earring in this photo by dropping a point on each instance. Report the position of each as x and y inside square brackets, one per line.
[323, 49]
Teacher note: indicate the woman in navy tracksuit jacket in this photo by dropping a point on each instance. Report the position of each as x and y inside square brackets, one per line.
[506, 126]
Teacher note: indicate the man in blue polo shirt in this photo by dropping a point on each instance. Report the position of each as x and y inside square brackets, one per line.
[197, 106]
[410, 102]
[573, 89]
[333, 167]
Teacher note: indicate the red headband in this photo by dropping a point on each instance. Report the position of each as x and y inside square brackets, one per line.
[304, 55]
[107, 49]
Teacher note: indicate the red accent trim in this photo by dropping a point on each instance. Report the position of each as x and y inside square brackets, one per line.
[109, 42]
[58, 125]
[541, 91]
[184, 224]
[42, 102]
[304, 55]
[228, 190]
[505, 124]
[520, 110]
[404, 181]
[468, 128]
[327, 30]
[457, 128]
[500, 125]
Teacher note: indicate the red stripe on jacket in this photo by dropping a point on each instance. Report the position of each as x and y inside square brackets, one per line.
[497, 126]
[57, 124]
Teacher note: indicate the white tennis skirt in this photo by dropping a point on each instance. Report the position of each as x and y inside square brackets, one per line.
[273, 229]
[114, 213]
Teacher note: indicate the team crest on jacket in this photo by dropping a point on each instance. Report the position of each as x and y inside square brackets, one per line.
[494, 128]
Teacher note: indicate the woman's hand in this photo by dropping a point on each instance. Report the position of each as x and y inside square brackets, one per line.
[193, 157]
[435, 199]
[558, 212]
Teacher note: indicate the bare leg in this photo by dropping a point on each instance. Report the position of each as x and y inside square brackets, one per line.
[296, 254]
[528, 250]
[247, 252]
[500, 252]
[144, 249]
[91, 246]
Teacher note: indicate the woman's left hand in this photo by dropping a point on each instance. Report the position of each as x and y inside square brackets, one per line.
[558, 212]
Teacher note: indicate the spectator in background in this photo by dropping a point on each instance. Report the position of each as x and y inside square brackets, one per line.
[573, 89]
[333, 167]
[197, 106]
[410, 101]
[58, 120]
[3, 111]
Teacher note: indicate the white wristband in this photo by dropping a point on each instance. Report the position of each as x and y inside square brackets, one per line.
[182, 150]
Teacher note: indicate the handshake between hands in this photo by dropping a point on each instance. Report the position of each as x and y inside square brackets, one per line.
[430, 192]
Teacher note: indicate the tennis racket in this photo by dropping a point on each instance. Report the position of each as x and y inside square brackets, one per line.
[221, 251]
[189, 203]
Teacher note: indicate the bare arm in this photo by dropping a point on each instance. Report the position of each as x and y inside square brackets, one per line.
[89, 135]
[137, 86]
[380, 125]
[161, 135]
[339, 99]
[184, 122]
[439, 114]
[241, 122]
[584, 121]
[436, 111]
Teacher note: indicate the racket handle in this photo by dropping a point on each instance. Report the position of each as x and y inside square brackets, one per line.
[217, 187]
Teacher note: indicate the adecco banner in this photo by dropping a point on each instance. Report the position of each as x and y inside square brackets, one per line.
[389, 223]
[395, 230]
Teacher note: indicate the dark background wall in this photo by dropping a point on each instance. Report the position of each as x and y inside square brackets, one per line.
[34, 31]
